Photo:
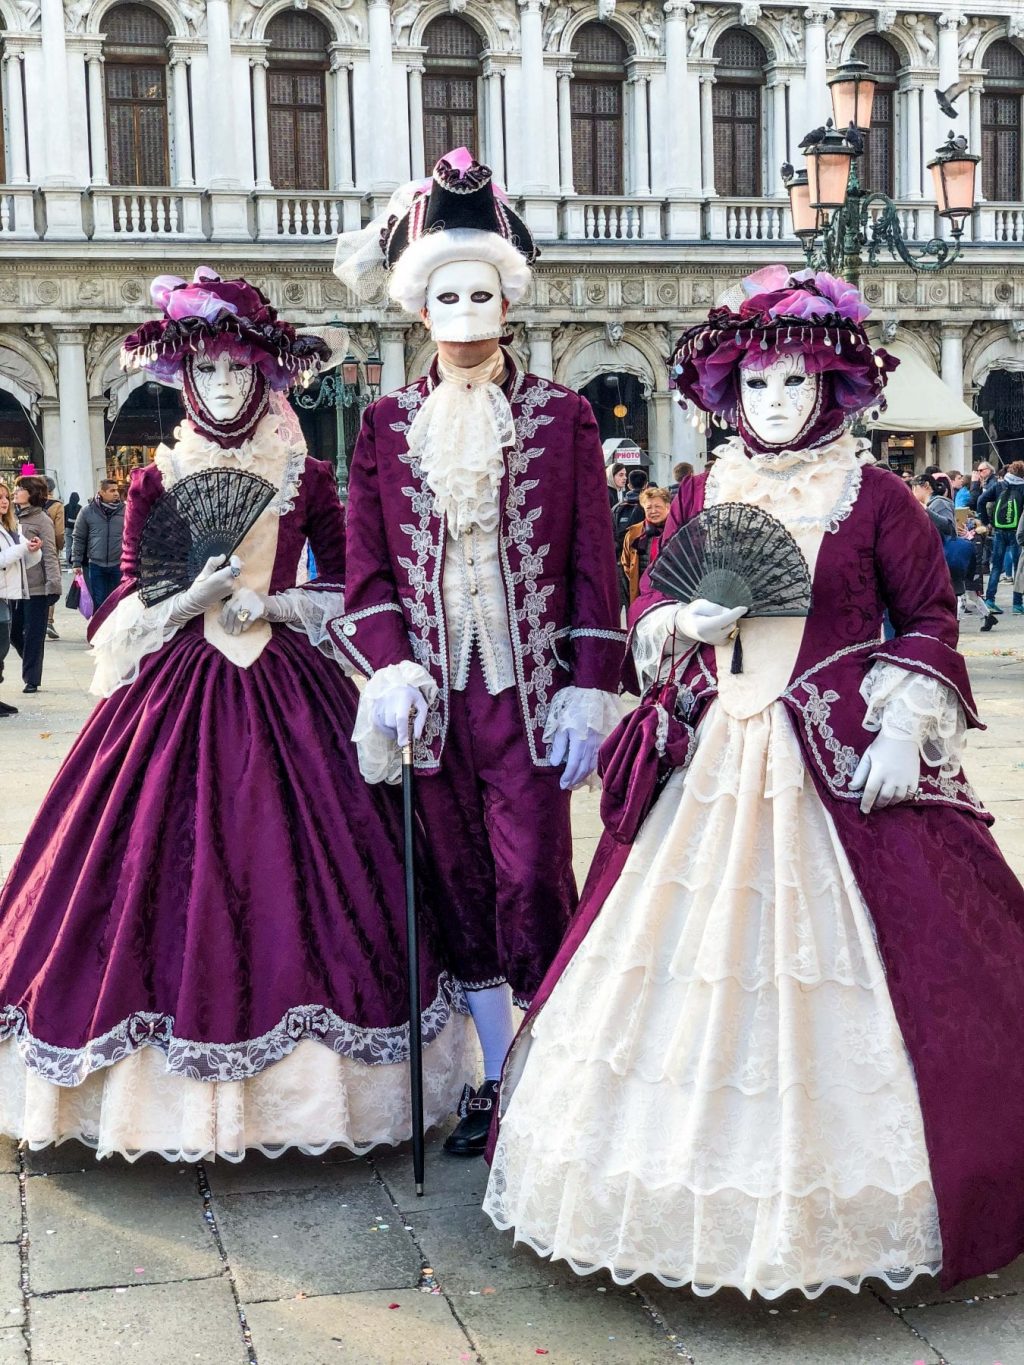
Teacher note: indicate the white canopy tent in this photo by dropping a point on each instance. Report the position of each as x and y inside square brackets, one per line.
[918, 400]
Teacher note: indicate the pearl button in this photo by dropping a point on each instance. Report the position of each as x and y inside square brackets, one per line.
[473, 592]
[348, 628]
[469, 559]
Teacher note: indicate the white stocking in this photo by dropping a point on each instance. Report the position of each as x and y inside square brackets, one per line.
[492, 1014]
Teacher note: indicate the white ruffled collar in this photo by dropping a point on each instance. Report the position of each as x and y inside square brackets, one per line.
[804, 489]
[458, 439]
[272, 451]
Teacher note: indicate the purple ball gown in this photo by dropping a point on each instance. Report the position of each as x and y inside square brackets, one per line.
[202, 944]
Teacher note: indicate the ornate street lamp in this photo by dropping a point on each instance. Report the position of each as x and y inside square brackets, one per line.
[353, 384]
[853, 95]
[838, 223]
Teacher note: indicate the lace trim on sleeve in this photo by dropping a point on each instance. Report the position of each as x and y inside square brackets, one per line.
[652, 660]
[582, 710]
[907, 705]
[312, 610]
[380, 758]
[130, 633]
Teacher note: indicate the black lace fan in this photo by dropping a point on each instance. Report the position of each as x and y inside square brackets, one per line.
[737, 556]
[205, 514]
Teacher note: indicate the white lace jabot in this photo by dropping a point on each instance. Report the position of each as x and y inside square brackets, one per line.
[458, 439]
[805, 489]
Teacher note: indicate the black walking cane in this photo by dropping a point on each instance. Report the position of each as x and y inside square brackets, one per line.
[413, 962]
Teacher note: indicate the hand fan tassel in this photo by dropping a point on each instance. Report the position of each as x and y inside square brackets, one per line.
[737, 655]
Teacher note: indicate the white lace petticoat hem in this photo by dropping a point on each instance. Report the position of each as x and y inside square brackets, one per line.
[896, 1279]
[202, 1061]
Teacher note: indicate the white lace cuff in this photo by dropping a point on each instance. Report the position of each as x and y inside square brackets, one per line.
[310, 611]
[907, 705]
[380, 758]
[582, 711]
[650, 635]
[126, 637]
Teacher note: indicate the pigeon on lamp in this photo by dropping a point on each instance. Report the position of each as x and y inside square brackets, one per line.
[947, 98]
[812, 138]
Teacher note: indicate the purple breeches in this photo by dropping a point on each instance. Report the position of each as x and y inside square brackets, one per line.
[500, 842]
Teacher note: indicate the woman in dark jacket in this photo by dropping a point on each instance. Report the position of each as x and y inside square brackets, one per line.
[28, 617]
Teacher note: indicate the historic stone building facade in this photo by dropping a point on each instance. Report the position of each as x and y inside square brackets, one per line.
[642, 140]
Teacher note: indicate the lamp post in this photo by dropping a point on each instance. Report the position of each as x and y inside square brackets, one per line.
[837, 221]
[353, 384]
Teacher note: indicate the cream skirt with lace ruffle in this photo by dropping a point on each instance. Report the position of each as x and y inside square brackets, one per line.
[310, 1100]
[717, 1092]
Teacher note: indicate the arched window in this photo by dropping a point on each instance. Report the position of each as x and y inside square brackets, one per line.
[596, 103]
[736, 113]
[136, 84]
[297, 101]
[450, 88]
[877, 170]
[1001, 123]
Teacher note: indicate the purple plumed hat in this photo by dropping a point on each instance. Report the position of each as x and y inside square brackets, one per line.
[208, 315]
[809, 313]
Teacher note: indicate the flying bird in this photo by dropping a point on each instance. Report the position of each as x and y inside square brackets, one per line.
[947, 98]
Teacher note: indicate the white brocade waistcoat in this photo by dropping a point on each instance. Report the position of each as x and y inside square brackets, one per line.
[475, 610]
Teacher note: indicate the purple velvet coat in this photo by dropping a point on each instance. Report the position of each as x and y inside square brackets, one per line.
[948, 911]
[557, 556]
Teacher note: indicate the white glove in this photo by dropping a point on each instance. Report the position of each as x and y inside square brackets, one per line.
[212, 584]
[390, 712]
[578, 753]
[888, 773]
[247, 607]
[707, 622]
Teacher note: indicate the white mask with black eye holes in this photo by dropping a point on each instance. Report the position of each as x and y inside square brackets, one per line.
[464, 302]
[223, 385]
[778, 401]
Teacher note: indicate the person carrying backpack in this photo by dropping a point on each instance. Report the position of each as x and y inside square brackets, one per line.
[1001, 506]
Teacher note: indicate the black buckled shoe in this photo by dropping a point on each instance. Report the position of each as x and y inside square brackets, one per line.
[475, 1110]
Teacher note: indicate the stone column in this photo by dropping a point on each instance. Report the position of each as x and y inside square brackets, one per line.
[641, 158]
[565, 181]
[77, 465]
[58, 169]
[949, 57]
[707, 138]
[818, 106]
[261, 122]
[223, 166]
[184, 171]
[535, 131]
[541, 358]
[951, 363]
[15, 104]
[680, 119]
[912, 161]
[494, 104]
[392, 354]
[417, 149]
[341, 68]
[775, 187]
[974, 94]
[384, 175]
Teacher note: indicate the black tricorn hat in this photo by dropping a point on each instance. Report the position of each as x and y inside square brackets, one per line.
[462, 217]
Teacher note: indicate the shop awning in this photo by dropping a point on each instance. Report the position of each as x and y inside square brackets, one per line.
[918, 400]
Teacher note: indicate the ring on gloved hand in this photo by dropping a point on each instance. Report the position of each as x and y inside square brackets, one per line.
[244, 615]
[236, 569]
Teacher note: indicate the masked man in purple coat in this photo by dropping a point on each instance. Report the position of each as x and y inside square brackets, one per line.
[480, 596]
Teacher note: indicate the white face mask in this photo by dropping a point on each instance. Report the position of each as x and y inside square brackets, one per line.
[777, 402]
[464, 302]
[223, 385]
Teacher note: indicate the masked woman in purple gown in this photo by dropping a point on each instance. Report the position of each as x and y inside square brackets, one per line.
[784, 1038]
[205, 953]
